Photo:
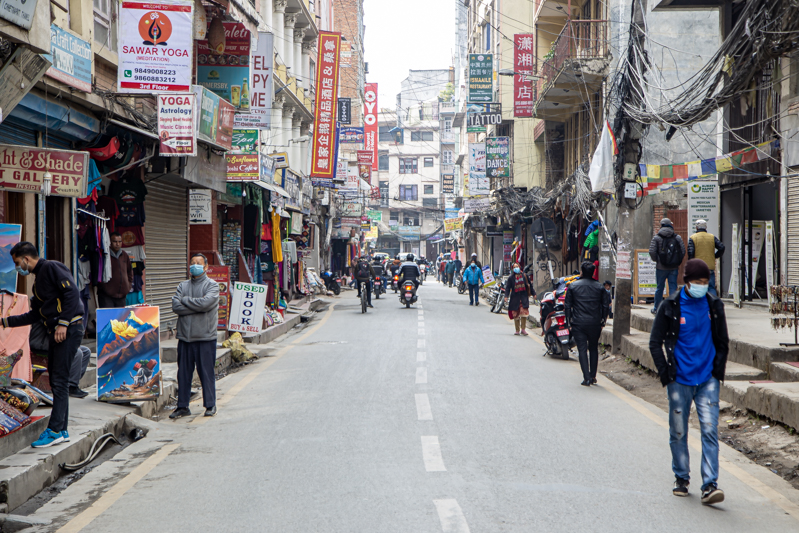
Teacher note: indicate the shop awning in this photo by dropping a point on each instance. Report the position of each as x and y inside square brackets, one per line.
[133, 129]
[277, 189]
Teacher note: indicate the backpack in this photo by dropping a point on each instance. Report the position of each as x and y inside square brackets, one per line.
[670, 253]
[363, 270]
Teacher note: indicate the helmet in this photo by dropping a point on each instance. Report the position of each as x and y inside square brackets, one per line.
[396, 257]
[474, 255]
[410, 257]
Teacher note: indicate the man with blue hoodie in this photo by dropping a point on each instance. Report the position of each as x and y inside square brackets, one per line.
[692, 326]
[473, 277]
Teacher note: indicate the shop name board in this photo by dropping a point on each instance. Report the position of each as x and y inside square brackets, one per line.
[19, 12]
[481, 77]
[291, 184]
[243, 167]
[261, 88]
[448, 184]
[323, 156]
[370, 121]
[498, 157]
[22, 169]
[473, 205]
[489, 115]
[345, 110]
[71, 58]
[524, 65]
[350, 135]
[453, 224]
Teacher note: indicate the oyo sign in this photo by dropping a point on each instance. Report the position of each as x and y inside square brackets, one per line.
[370, 122]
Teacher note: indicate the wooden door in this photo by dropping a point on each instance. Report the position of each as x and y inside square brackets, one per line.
[679, 218]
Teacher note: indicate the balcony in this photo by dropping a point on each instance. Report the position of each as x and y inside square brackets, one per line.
[573, 70]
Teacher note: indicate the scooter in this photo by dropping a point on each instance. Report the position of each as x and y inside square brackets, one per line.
[379, 287]
[395, 283]
[408, 293]
[557, 335]
[423, 270]
[331, 283]
[499, 300]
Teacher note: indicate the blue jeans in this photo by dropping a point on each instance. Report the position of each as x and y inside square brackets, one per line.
[662, 276]
[474, 293]
[706, 398]
[712, 289]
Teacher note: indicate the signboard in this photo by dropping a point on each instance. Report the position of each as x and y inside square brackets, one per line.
[323, 158]
[267, 169]
[365, 165]
[22, 169]
[507, 246]
[488, 276]
[623, 265]
[411, 232]
[221, 275]
[645, 275]
[22, 69]
[346, 54]
[351, 209]
[261, 86]
[769, 258]
[345, 110]
[370, 121]
[703, 203]
[478, 183]
[243, 167]
[497, 150]
[215, 121]
[481, 115]
[71, 58]
[155, 46]
[245, 140]
[448, 184]
[481, 78]
[19, 12]
[374, 215]
[291, 184]
[228, 73]
[200, 207]
[281, 159]
[524, 64]
[350, 135]
[176, 129]
[473, 205]
[453, 224]
[342, 168]
[247, 308]
[224, 129]
[735, 285]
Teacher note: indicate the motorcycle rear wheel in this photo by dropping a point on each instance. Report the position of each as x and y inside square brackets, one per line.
[407, 305]
[336, 289]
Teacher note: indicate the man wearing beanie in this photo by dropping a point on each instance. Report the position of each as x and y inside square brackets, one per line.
[707, 247]
[692, 326]
[667, 250]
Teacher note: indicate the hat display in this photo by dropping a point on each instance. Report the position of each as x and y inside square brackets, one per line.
[106, 152]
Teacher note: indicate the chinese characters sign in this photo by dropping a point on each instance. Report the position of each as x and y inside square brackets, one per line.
[323, 161]
[524, 66]
[370, 121]
[498, 157]
[481, 77]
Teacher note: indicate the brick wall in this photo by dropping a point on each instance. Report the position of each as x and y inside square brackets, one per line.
[347, 17]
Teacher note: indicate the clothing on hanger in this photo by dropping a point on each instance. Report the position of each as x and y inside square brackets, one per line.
[13, 339]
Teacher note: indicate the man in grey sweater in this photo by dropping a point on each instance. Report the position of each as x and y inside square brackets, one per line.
[196, 303]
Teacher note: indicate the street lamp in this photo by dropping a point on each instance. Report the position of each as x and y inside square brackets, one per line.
[511, 72]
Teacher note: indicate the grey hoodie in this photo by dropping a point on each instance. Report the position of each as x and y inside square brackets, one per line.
[196, 302]
[657, 241]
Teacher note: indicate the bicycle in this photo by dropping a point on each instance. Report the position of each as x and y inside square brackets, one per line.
[363, 296]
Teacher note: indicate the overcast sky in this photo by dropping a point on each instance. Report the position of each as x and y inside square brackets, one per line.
[406, 35]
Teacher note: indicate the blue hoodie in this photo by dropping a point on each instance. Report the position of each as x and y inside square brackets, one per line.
[473, 275]
[694, 352]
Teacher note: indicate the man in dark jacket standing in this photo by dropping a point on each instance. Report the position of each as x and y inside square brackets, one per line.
[57, 304]
[707, 247]
[667, 249]
[114, 293]
[693, 327]
[586, 307]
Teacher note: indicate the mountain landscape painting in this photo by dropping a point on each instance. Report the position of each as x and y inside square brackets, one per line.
[128, 354]
[10, 234]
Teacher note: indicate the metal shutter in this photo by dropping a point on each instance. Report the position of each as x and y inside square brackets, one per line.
[15, 131]
[166, 246]
[793, 232]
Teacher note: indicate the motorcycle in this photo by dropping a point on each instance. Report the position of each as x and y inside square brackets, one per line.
[557, 335]
[395, 283]
[499, 298]
[460, 284]
[423, 270]
[379, 288]
[408, 294]
[331, 283]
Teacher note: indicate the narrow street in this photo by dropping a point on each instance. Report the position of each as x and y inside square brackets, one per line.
[429, 419]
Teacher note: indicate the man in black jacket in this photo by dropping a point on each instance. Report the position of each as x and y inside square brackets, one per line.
[56, 303]
[586, 308]
[364, 273]
[692, 326]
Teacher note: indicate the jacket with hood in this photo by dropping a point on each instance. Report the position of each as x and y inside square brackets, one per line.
[196, 302]
[473, 275]
[657, 242]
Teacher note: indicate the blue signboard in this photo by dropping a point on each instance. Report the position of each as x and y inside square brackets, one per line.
[350, 135]
[71, 58]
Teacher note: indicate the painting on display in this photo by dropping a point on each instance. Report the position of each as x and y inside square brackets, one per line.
[10, 234]
[129, 354]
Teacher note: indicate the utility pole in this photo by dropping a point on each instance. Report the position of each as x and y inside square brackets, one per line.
[630, 134]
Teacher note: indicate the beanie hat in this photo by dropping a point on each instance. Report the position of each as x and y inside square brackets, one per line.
[701, 224]
[665, 222]
[695, 269]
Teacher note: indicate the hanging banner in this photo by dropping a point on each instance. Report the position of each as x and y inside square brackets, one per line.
[524, 64]
[345, 110]
[703, 204]
[155, 46]
[453, 224]
[71, 58]
[243, 167]
[478, 182]
[350, 135]
[370, 110]
[176, 125]
[365, 165]
[247, 308]
[22, 169]
[497, 153]
[261, 86]
[227, 74]
[481, 77]
[323, 161]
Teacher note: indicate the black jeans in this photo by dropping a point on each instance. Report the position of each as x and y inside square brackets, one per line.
[201, 354]
[105, 301]
[368, 285]
[59, 363]
[587, 339]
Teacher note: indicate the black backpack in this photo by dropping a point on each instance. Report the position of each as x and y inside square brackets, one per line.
[670, 253]
[363, 270]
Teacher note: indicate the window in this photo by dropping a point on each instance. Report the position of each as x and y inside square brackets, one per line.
[384, 135]
[409, 165]
[409, 193]
[382, 161]
[105, 23]
[428, 162]
[447, 157]
[384, 194]
[448, 125]
[430, 202]
[410, 221]
[428, 189]
[422, 136]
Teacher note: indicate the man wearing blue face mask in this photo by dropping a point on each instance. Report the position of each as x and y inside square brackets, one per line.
[693, 327]
[196, 303]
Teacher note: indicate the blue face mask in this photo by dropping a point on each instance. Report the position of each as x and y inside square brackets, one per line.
[697, 291]
[22, 272]
[517, 270]
[196, 270]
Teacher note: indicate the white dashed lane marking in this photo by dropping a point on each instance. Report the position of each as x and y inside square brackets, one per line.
[423, 410]
[421, 375]
[431, 452]
[451, 516]
[421, 357]
[420, 343]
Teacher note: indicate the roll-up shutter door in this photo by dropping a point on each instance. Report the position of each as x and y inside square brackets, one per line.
[166, 246]
[793, 232]
[14, 131]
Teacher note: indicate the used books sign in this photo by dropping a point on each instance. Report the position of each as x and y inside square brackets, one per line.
[247, 308]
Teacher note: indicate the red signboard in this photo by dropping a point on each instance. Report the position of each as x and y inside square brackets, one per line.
[22, 169]
[221, 275]
[365, 161]
[323, 163]
[243, 167]
[370, 121]
[524, 66]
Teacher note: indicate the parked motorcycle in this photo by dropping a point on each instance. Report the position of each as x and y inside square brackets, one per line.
[408, 293]
[331, 283]
[557, 335]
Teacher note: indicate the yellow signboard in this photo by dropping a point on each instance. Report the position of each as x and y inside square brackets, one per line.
[453, 224]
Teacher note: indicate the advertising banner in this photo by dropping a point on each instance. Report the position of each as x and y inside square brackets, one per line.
[176, 125]
[227, 74]
[243, 167]
[498, 157]
[155, 46]
[261, 88]
[488, 276]
[350, 135]
[342, 167]
[365, 165]
[370, 128]
[22, 169]
[221, 275]
[323, 158]
[247, 308]
[346, 55]
[345, 110]
[245, 140]
[703, 204]
[291, 184]
[453, 224]
[478, 182]
[769, 258]
[473, 205]
[71, 58]
[524, 64]
[224, 129]
[215, 121]
[481, 77]
[374, 215]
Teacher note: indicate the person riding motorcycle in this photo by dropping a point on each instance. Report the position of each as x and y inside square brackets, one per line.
[409, 271]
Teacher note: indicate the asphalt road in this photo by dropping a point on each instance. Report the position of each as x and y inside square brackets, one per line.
[429, 419]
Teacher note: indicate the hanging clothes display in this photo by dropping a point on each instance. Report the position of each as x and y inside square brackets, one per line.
[14, 339]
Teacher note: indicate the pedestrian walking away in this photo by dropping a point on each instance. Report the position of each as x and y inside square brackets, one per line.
[586, 305]
[707, 247]
[667, 249]
[450, 272]
[56, 303]
[196, 302]
[473, 277]
[692, 326]
[518, 290]
[364, 273]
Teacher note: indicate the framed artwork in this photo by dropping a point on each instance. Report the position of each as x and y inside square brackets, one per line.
[10, 234]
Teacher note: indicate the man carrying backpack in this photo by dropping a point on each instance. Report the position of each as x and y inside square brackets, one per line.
[364, 273]
[667, 249]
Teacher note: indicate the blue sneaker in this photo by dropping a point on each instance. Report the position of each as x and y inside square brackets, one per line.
[48, 438]
[65, 435]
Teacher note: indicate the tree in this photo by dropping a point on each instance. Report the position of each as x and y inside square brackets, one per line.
[446, 94]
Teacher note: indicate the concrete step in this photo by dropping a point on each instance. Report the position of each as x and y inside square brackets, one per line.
[784, 372]
[739, 372]
[777, 401]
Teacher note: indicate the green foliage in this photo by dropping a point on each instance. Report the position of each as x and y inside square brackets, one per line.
[447, 94]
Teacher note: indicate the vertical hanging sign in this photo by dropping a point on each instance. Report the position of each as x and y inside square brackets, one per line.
[261, 91]
[481, 77]
[323, 160]
[370, 121]
[523, 66]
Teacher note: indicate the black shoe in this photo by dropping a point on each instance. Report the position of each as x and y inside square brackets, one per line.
[680, 487]
[370, 305]
[586, 383]
[593, 381]
[211, 411]
[180, 412]
[75, 392]
[712, 494]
